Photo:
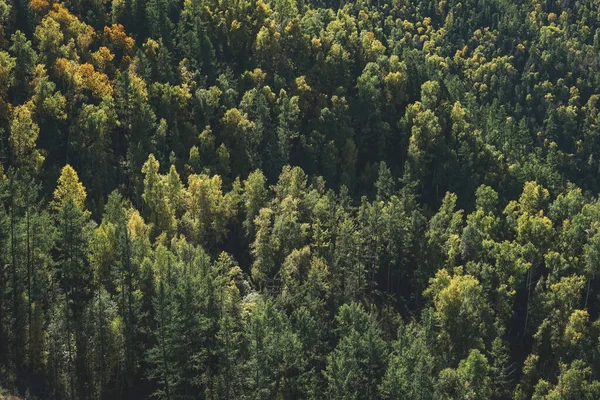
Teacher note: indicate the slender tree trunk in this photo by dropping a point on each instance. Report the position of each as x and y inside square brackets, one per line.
[102, 342]
[389, 279]
[129, 321]
[36, 294]
[124, 372]
[69, 260]
[69, 349]
[163, 345]
[16, 353]
[29, 274]
[528, 298]
[587, 294]
[227, 365]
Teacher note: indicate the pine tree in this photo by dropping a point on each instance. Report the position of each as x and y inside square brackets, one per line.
[357, 364]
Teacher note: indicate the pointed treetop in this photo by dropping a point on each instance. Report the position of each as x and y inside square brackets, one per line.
[69, 188]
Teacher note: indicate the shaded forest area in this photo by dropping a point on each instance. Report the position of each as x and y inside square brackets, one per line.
[290, 199]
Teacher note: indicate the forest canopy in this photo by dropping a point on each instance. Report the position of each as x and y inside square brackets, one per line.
[300, 199]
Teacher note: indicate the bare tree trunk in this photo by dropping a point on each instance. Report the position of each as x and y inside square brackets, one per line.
[528, 298]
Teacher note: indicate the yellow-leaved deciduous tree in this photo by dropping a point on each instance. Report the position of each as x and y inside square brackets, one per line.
[371, 47]
[7, 64]
[39, 7]
[559, 323]
[395, 82]
[533, 230]
[136, 226]
[254, 197]
[49, 37]
[239, 135]
[5, 10]
[119, 43]
[104, 252]
[174, 191]
[155, 196]
[22, 140]
[83, 77]
[69, 188]
[428, 148]
[102, 59]
[574, 382]
[208, 210]
[49, 103]
[76, 31]
[461, 310]
[577, 328]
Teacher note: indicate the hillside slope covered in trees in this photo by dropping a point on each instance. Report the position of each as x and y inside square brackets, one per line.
[290, 199]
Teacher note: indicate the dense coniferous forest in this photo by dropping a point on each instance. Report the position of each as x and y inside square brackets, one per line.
[292, 199]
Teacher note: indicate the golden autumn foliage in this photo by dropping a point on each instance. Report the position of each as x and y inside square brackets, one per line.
[24, 133]
[136, 225]
[74, 29]
[7, 63]
[118, 38]
[137, 86]
[103, 59]
[97, 82]
[47, 101]
[209, 210]
[84, 76]
[49, 36]
[67, 70]
[320, 199]
[372, 47]
[151, 48]
[39, 6]
[69, 188]
[577, 326]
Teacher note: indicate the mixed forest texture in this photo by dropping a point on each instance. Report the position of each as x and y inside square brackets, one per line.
[291, 199]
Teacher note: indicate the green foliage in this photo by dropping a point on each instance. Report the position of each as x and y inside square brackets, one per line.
[314, 199]
[355, 366]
